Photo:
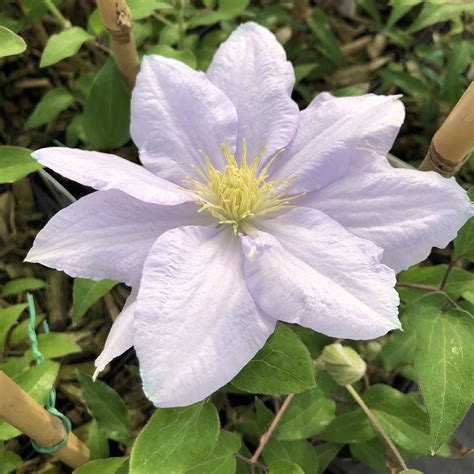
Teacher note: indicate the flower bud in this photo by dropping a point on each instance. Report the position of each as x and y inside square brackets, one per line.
[343, 364]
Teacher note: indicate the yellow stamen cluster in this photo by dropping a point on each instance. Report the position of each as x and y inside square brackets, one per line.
[239, 194]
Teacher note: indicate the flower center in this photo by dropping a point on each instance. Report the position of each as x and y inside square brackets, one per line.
[239, 194]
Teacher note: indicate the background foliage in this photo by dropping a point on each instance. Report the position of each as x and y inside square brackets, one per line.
[60, 86]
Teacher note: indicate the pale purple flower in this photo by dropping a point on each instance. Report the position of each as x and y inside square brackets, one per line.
[313, 235]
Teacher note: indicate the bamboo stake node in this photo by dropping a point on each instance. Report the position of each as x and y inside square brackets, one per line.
[117, 20]
[454, 141]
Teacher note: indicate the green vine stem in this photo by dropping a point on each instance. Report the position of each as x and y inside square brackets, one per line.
[65, 23]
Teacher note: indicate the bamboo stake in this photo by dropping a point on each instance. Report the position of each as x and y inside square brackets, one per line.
[117, 19]
[454, 141]
[20, 410]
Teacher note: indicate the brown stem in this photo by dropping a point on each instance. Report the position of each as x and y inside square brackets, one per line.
[117, 20]
[249, 462]
[446, 274]
[267, 435]
[431, 289]
[377, 426]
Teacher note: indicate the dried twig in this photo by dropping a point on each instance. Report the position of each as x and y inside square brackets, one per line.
[267, 435]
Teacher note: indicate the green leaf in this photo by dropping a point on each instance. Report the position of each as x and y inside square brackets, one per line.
[97, 441]
[20, 285]
[50, 106]
[371, 452]
[350, 427]
[9, 461]
[394, 74]
[329, 45]
[398, 11]
[306, 416]
[284, 467]
[8, 317]
[144, 8]
[56, 344]
[284, 365]
[403, 420]
[464, 242]
[75, 131]
[222, 458]
[16, 163]
[444, 364]
[104, 466]
[435, 13]
[460, 58]
[85, 293]
[227, 10]
[298, 452]
[37, 382]
[326, 452]
[459, 281]
[10, 43]
[107, 109]
[400, 348]
[186, 56]
[63, 45]
[175, 439]
[107, 407]
[371, 8]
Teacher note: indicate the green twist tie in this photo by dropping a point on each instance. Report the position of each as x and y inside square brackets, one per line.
[51, 402]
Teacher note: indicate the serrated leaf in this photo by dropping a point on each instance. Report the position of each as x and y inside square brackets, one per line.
[37, 382]
[298, 452]
[306, 416]
[222, 458]
[20, 285]
[444, 364]
[85, 293]
[284, 365]
[16, 163]
[8, 317]
[350, 427]
[50, 106]
[104, 466]
[10, 43]
[107, 407]
[175, 439]
[63, 45]
[403, 420]
[106, 117]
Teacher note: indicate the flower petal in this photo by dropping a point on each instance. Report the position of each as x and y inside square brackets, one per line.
[196, 323]
[176, 112]
[334, 132]
[102, 171]
[251, 68]
[121, 334]
[106, 234]
[313, 272]
[406, 212]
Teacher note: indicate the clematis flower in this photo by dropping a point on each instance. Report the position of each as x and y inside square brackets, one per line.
[246, 211]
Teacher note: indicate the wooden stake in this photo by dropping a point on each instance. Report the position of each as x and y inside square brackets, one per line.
[117, 19]
[454, 141]
[20, 410]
